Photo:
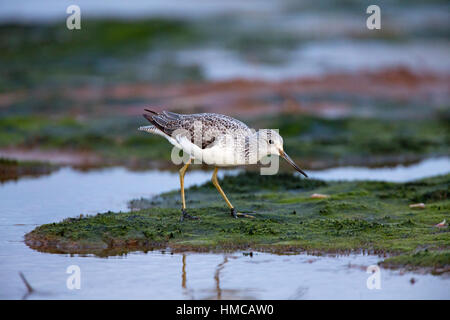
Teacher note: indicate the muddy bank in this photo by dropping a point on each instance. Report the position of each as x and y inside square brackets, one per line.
[13, 169]
[371, 216]
[422, 260]
[314, 142]
[388, 93]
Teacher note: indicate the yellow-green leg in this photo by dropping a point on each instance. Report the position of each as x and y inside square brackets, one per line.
[184, 214]
[234, 213]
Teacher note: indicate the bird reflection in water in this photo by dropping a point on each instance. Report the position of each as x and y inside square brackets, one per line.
[217, 293]
[186, 291]
[217, 277]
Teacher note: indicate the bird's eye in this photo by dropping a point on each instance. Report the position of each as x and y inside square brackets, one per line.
[271, 141]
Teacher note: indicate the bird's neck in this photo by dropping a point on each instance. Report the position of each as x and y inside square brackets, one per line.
[258, 145]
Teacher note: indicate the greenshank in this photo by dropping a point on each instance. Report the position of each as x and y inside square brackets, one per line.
[215, 139]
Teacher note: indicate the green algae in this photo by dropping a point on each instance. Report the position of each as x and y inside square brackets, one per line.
[13, 169]
[108, 48]
[438, 262]
[356, 137]
[369, 216]
[116, 139]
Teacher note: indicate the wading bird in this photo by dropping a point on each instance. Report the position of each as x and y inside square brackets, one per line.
[215, 139]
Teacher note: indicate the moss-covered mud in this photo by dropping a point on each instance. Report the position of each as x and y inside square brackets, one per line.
[370, 216]
[436, 261]
[104, 48]
[312, 141]
[13, 169]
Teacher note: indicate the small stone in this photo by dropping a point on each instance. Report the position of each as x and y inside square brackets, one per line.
[417, 206]
[319, 196]
[441, 224]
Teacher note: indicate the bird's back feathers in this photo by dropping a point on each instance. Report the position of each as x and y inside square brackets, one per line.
[201, 128]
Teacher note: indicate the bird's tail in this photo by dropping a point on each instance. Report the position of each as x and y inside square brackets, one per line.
[150, 129]
[152, 112]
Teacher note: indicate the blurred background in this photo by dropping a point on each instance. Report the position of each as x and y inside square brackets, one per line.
[340, 94]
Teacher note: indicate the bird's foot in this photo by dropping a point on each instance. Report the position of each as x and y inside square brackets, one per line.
[185, 215]
[236, 214]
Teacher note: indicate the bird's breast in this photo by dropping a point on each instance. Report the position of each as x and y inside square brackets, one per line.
[220, 156]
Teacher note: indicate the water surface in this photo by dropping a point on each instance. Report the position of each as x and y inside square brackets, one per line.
[399, 173]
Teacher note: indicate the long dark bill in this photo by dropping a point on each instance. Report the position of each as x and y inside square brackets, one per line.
[291, 162]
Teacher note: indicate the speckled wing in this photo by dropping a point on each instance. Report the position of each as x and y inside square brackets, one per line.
[203, 129]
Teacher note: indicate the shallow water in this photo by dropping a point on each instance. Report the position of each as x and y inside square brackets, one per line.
[217, 276]
[32, 201]
[323, 57]
[399, 173]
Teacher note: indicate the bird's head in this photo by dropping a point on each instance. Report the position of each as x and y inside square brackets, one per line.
[271, 142]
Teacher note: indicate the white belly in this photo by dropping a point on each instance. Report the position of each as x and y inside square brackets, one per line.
[220, 154]
[224, 157]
